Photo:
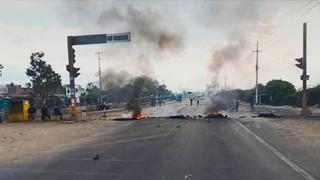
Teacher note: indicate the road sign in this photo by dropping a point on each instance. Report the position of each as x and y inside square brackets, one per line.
[89, 39]
[119, 37]
[304, 77]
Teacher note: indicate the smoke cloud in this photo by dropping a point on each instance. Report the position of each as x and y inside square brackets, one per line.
[112, 79]
[243, 24]
[147, 25]
[231, 53]
[223, 101]
[134, 102]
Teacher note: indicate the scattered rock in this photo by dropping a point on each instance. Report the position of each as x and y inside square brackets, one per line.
[187, 175]
[267, 114]
[177, 117]
[178, 126]
[216, 116]
[96, 157]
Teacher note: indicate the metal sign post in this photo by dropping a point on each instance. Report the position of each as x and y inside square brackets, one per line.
[85, 40]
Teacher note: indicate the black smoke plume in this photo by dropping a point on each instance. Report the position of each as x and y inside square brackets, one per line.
[134, 101]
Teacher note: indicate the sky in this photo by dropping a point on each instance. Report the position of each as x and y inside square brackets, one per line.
[188, 45]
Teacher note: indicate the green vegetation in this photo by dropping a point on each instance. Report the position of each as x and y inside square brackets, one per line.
[279, 92]
[44, 80]
[282, 92]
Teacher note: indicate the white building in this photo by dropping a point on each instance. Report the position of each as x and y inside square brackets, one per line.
[79, 90]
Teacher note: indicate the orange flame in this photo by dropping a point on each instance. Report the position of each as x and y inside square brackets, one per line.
[139, 116]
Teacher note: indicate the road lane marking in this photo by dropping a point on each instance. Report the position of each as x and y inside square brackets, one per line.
[278, 154]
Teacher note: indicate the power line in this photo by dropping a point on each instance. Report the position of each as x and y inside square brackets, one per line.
[268, 42]
[305, 5]
[310, 9]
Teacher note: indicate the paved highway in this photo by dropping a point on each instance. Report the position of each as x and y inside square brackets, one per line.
[160, 149]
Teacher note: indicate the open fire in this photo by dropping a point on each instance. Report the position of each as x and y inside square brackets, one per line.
[138, 116]
[215, 113]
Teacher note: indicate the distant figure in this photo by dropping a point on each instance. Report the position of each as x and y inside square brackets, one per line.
[191, 101]
[198, 102]
[57, 112]
[32, 113]
[237, 104]
[84, 112]
[45, 113]
[252, 102]
[160, 102]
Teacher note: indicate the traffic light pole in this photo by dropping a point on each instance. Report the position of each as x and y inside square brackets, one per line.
[84, 40]
[72, 78]
[304, 76]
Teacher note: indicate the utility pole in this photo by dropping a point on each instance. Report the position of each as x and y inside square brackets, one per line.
[257, 69]
[99, 73]
[303, 65]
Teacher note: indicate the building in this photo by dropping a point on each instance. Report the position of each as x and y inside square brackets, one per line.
[79, 90]
[12, 90]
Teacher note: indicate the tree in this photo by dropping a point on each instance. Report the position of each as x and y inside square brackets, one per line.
[92, 95]
[248, 95]
[44, 80]
[282, 92]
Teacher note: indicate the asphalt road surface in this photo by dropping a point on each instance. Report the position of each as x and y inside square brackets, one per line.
[160, 149]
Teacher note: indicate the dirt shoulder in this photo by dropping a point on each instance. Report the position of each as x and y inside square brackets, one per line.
[298, 138]
[18, 140]
[22, 139]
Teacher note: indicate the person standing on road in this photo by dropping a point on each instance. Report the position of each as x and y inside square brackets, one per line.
[32, 113]
[45, 113]
[237, 104]
[84, 112]
[252, 102]
[57, 112]
[198, 102]
[191, 100]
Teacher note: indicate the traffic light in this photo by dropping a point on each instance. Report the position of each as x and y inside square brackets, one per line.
[68, 67]
[300, 63]
[73, 55]
[75, 72]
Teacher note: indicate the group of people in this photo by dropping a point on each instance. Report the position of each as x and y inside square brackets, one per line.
[45, 115]
[191, 102]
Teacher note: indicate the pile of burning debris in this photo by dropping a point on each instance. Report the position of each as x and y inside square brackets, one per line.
[134, 102]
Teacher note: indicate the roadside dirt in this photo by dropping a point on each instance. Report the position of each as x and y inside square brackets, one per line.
[22, 139]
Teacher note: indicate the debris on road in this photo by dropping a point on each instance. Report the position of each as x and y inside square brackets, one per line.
[267, 114]
[187, 175]
[216, 116]
[177, 117]
[124, 119]
[96, 157]
[178, 126]
[242, 116]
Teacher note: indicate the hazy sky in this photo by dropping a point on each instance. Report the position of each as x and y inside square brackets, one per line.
[186, 44]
